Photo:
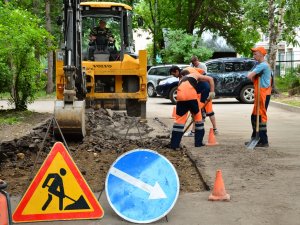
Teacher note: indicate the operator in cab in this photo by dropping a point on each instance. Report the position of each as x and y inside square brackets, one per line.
[101, 39]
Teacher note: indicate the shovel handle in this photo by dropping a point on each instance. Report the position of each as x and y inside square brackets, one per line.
[66, 196]
[258, 106]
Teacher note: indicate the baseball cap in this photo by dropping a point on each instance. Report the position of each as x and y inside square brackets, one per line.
[262, 50]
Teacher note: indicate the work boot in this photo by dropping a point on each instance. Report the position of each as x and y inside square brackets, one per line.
[199, 134]
[175, 149]
[176, 139]
[201, 145]
[262, 145]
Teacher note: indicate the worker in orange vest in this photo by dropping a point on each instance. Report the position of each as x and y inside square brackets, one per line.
[263, 72]
[188, 101]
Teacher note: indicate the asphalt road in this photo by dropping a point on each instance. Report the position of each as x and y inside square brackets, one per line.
[274, 202]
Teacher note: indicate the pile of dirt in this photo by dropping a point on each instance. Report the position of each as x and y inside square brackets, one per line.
[109, 135]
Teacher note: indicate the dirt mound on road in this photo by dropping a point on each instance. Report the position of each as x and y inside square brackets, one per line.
[109, 134]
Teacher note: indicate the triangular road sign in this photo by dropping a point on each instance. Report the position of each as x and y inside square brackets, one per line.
[58, 192]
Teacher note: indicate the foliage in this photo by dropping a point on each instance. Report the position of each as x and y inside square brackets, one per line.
[181, 47]
[5, 77]
[290, 80]
[239, 22]
[21, 39]
[222, 17]
[260, 18]
[149, 49]
[291, 21]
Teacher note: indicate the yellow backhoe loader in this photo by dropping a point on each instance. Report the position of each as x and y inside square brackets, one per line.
[92, 72]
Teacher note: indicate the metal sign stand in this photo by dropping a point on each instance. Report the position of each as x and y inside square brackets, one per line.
[52, 122]
[134, 121]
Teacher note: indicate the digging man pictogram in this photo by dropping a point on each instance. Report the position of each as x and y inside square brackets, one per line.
[57, 188]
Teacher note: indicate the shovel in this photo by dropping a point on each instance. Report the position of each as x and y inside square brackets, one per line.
[254, 140]
[188, 126]
[80, 203]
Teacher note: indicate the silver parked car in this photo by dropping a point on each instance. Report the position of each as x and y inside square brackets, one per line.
[157, 73]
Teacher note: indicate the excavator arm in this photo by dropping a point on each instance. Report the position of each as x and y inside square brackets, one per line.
[70, 111]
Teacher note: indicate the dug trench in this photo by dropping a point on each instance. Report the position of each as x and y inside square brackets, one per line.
[109, 135]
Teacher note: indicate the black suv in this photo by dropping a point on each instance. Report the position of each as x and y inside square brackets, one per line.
[230, 77]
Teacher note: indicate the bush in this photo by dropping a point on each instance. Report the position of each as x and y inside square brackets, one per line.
[19, 46]
[289, 81]
[182, 46]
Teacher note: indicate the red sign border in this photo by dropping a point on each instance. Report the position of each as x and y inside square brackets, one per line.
[98, 212]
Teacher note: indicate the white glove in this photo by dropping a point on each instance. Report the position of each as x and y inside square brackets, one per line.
[211, 95]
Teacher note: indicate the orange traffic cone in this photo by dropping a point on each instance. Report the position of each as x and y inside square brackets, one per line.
[219, 192]
[4, 218]
[174, 112]
[211, 138]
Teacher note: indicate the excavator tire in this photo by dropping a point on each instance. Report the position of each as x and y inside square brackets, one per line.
[133, 107]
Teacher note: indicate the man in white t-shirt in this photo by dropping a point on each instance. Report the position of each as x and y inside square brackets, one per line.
[196, 63]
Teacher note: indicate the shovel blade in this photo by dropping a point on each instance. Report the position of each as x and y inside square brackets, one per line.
[252, 143]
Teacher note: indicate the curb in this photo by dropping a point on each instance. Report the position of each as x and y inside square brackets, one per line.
[285, 106]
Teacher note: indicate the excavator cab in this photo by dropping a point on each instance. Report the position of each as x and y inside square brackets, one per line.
[101, 44]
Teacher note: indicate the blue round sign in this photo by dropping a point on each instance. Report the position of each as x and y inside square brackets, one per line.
[142, 186]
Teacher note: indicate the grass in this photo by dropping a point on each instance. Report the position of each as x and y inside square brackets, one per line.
[39, 95]
[43, 95]
[11, 117]
[286, 99]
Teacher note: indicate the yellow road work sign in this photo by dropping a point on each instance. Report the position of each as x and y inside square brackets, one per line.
[58, 192]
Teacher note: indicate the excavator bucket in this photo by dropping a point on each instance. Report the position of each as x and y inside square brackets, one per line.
[70, 118]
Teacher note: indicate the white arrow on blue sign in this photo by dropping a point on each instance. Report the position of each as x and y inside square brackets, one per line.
[142, 186]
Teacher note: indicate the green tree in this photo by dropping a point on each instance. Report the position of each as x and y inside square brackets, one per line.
[21, 39]
[222, 17]
[47, 11]
[182, 46]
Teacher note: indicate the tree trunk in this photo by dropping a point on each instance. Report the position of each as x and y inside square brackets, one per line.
[50, 85]
[194, 13]
[272, 36]
[275, 31]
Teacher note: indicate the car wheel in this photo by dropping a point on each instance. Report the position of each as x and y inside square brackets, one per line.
[247, 94]
[151, 91]
[173, 95]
